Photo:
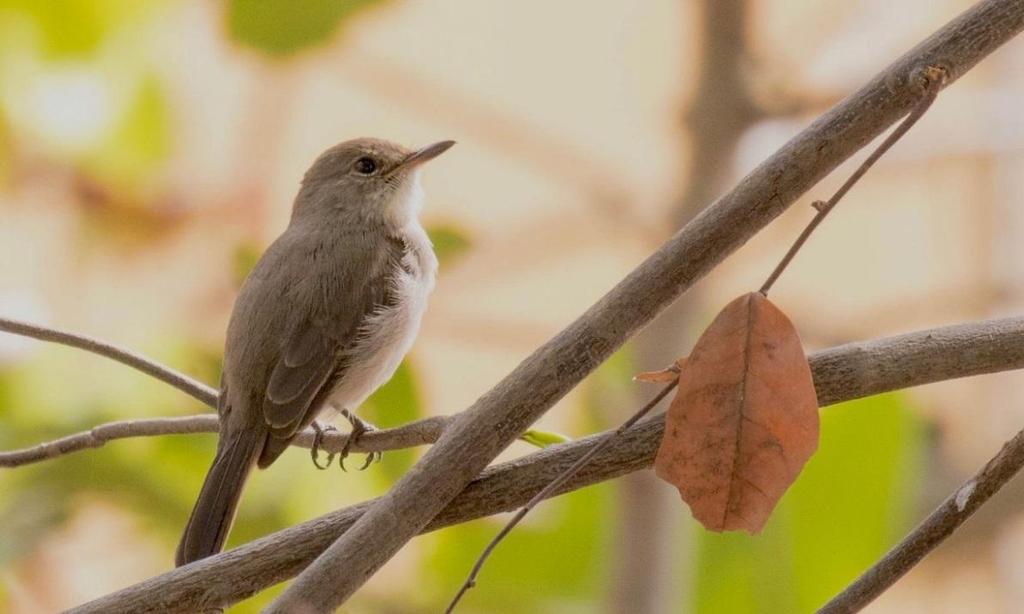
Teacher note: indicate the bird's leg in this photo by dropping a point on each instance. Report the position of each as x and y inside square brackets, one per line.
[359, 426]
[318, 437]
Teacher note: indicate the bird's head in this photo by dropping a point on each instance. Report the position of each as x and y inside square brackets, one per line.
[366, 180]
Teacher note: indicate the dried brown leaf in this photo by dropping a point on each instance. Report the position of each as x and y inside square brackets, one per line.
[745, 418]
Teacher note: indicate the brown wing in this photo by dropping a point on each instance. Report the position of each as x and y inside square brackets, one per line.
[312, 358]
[308, 359]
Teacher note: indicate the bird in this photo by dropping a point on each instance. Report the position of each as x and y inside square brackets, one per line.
[322, 320]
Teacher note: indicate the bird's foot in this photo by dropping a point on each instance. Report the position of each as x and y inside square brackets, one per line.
[318, 437]
[359, 427]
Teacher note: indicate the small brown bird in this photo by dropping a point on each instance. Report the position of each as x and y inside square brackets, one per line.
[323, 319]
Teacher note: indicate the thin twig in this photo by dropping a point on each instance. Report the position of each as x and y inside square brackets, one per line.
[553, 486]
[182, 382]
[934, 77]
[421, 432]
[99, 435]
[938, 526]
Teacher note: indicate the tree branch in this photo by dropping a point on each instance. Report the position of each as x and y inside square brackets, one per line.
[480, 433]
[842, 373]
[182, 382]
[99, 435]
[417, 433]
[939, 525]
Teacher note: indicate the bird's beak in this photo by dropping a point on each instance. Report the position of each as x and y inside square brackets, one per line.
[423, 154]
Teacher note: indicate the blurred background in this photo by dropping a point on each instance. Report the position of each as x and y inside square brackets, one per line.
[149, 151]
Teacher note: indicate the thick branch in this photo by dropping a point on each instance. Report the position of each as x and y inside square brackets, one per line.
[180, 381]
[416, 433]
[842, 373]
[479, 434]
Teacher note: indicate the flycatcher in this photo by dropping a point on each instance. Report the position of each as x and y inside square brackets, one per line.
[323, 319]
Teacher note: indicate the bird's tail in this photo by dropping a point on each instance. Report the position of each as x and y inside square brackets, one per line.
[211, 518]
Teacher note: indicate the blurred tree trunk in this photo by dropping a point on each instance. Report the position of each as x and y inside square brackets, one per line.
[646, 578]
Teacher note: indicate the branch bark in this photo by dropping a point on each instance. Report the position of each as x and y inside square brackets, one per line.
[182, 382]
[480, 433]
[417, 433]
[842, 373]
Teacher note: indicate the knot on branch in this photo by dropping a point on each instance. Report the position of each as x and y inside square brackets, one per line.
[922, 80]
[929, 78]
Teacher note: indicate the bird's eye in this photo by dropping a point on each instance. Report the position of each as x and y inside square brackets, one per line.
[366, 166]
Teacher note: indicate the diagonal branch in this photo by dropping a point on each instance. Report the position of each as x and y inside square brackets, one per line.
[842, 373]
[480, 433]
[182, 382]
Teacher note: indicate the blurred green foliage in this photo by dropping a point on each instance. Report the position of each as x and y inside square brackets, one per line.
[68, 35]
[139, 141]
[395, 403]
[281, 28]
[450, 242]
[5, 151]
[246, 255]
[853, 500]
[556, 560]
[70, 28]
[152, 475]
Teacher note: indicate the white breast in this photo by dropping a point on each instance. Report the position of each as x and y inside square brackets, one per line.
[388, 334]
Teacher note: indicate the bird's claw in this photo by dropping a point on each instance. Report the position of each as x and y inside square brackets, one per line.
[359, 427]
[314, 450]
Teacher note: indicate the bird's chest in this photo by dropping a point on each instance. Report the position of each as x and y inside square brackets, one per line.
[388, 333]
